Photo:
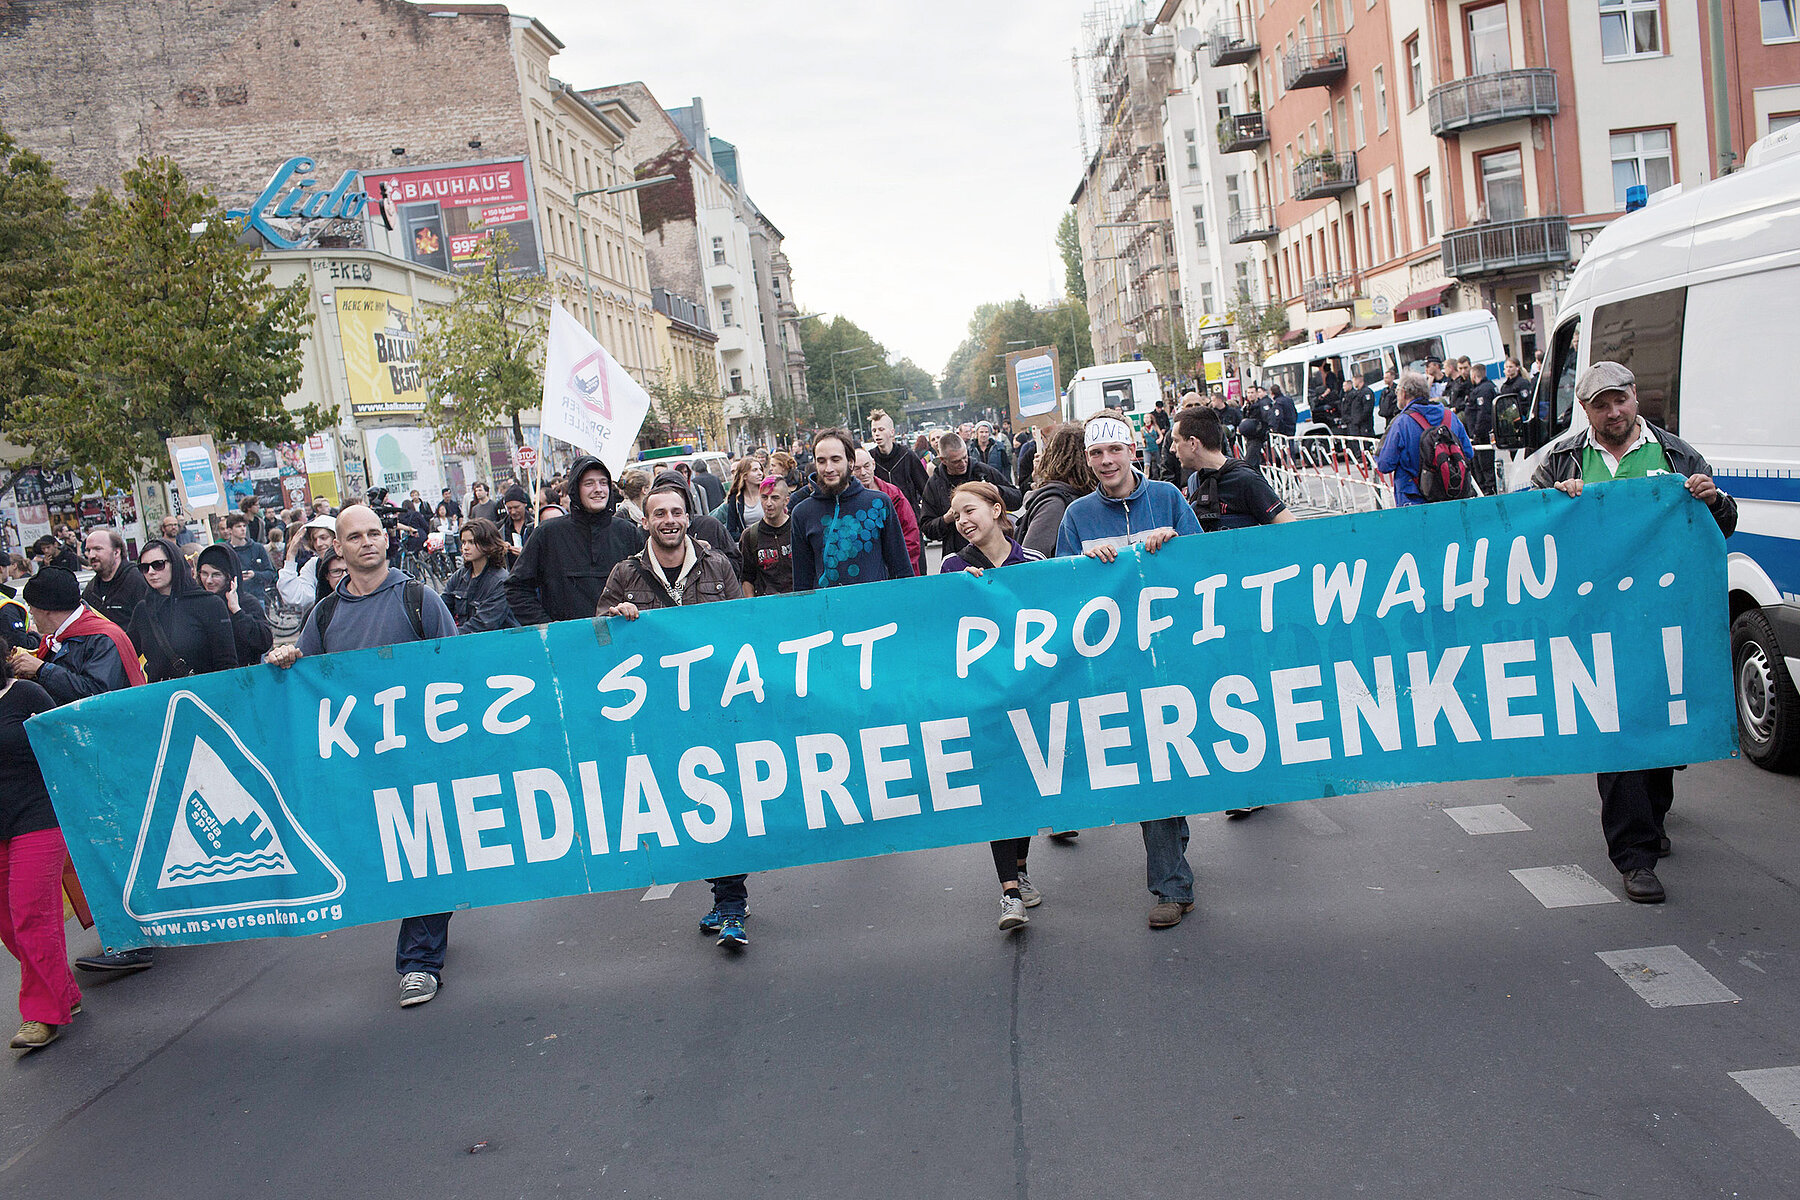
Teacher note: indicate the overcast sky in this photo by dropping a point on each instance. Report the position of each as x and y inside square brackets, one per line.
[916, 154]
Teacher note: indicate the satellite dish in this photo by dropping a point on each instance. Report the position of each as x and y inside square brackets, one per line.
[1190, 38]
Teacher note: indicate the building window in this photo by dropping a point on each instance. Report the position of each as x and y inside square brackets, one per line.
[1427, 209]
[737, 381]
[1200, 225]
[1234, 195]
[1222, 103]
[1778, 23]
[1243, 277]
[1642, 157]
[1780, 121]
[1415, 73]
[1490, 48]
[1356, 108]
[719, 252]
[1381, 105]
[1349, 15]
[1206, 298]
[1630, 28]
[1340, 131]
[1503, 185]
[725, 314]
[1393, 226]
[1192, 138]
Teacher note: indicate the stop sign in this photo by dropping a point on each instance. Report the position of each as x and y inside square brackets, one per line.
[527, 457]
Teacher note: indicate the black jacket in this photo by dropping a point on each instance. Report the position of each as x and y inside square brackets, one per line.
[1478, 411]
[478, 602]
[250, 630]
[564, 566]
[932, 522]
[187, 632]
[1359, 412]
[1042, 517]
[1026, 463]
[118, 600]
[902, 468]
[711, 489]
[1562, 461]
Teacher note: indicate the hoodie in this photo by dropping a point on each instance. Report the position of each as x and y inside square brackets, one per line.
[853, 536]
[561, 571]
[377, 619]
[1097, 519]
[899, 466]
[187, 632]
[249, 624]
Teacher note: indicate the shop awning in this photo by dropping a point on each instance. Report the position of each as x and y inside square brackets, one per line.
[1424, 299]
[1294, 337]
[1335, 330]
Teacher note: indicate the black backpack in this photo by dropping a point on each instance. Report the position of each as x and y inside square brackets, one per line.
[412, 595]
[1443, 467]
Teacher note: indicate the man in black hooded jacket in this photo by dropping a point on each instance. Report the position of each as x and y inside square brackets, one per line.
[561, 571]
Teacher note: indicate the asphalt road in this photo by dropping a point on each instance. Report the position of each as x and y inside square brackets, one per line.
[1366, 1002]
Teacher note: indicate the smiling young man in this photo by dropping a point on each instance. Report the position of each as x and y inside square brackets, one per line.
[674, 571]
[1125, 511]
[843, 532]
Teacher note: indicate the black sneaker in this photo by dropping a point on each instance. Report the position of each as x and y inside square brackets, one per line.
[118, 960]
[1643, 886]
[1238, 814]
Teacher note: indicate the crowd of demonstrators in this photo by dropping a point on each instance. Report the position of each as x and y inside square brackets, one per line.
[181, 629]
[981, 517]
[560, 569]
[1061, 476]
[378, 605]
[866, 475]
[955, 467]
[476, 593]
[844, 533]
[674, 570]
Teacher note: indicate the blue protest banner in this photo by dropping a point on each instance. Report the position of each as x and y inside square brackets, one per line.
[1527, 633]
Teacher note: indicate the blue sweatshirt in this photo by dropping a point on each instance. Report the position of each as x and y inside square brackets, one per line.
[851, 537]
[1097, 519]
[377, 619]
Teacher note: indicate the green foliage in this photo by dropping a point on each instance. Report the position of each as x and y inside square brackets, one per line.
[163, 326]
[1257, 331]
[1068, 244]
[686, 405]
[773, 420]
[482, 355]
[977, 369]
[37, 236]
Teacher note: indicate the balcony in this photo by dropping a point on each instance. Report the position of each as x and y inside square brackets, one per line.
[1324, 174]
[1501, 246]
[1232, 42]
[1335, 290]
[1252, 225]
[1242, 131]
[1489, 99]
[1315, 62]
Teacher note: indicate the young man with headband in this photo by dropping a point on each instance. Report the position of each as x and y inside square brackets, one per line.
[1126, 510]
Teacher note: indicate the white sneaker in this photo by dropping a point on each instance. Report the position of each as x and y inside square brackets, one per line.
[1028, 892]
[416, 987]
[1012, 912]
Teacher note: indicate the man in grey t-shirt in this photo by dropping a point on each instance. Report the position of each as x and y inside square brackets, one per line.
[372, 607]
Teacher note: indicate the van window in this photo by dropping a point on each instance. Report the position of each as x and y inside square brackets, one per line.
[1287, 375]
[1414, 354]
[1366, 363]
[1116, 393]
[1556, 383]
[1644, 333]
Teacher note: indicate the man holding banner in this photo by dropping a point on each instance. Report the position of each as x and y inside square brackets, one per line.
[379, 605]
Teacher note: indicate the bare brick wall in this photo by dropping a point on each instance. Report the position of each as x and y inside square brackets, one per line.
[232, 88]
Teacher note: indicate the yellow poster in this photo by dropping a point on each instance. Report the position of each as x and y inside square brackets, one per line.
[380, 337]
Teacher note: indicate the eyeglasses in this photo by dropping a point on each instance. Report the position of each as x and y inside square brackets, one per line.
[155, 564]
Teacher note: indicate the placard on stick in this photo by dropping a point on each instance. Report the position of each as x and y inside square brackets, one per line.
[1033, 386]
[196, 465]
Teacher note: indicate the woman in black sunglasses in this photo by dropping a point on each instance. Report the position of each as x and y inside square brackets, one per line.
[181, 628]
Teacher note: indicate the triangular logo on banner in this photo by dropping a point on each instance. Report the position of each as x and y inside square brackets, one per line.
[217, 836]
[587, 379]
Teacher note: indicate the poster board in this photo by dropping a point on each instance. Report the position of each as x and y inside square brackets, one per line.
[1034, 387]
[196, 464]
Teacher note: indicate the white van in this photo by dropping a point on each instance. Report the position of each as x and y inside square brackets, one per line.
[1129, 387]
[1404, 346]
[1699, 294]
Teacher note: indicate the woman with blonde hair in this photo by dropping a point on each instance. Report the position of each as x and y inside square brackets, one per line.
[742, 506]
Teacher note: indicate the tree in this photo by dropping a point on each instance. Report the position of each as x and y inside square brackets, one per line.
[920, 387]
[837, 347]
[37, 237]
[1008, 328]
[1068, 243]
[1257, 331]
[164, 326]
[482, 355]
[687, 405]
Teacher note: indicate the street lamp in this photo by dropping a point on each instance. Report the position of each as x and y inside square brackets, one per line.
[835, 393]
[587, 282]
[856, 396]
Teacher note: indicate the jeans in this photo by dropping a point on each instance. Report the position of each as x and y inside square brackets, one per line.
[422, 943]
[31, 924]
[730, 897]
[1632, 807]
[1166, 870]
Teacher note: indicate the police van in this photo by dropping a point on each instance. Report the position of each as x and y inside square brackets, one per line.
[1699, 294]
[1132, 388]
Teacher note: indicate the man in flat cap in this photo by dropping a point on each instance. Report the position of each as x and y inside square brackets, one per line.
[1617, 443]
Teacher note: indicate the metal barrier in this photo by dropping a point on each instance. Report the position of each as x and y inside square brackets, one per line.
[1335, 473]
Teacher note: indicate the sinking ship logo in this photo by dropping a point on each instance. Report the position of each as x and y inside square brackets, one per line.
[217, 824]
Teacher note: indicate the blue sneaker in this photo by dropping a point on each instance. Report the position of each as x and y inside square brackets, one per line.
[712, 921]
[731, 933]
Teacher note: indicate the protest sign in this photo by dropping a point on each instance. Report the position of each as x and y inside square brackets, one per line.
[589, 400]
[1530, 633]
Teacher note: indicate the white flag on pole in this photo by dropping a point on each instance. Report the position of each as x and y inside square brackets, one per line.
[589, 400]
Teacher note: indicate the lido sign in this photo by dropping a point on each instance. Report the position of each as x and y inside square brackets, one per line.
[292, 195]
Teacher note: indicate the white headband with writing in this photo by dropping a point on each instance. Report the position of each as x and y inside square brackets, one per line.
[1102, 430]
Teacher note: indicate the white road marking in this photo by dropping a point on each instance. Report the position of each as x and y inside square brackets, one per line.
[1666, 977]
[1487, 818]
[1314, 821]
[1776, 1089]
[1563, 887]
[661, 891]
